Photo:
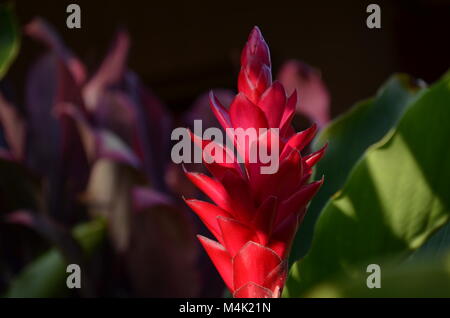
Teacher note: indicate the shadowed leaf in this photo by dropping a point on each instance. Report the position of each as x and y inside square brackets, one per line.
[394, 199]
[46, 276]
[348, 136]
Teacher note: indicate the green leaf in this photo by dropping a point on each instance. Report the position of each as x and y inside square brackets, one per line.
[424, 279]
[348, 137]
[46, 276]
[395, 198]
[437, 245]
[9, 37]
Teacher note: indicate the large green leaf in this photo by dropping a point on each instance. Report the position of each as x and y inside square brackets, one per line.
[395, 198]
[348, 137]
[46, 276]
[9, 38]
[424, 279]
[437, 245]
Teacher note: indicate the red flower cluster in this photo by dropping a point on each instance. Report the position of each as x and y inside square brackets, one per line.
[255, 216]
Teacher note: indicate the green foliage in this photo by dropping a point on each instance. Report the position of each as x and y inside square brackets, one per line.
[395, 198]
[46, 276]
[425, 279]
[9, 38]
[348, 137]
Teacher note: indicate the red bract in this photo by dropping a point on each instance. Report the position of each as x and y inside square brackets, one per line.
[255, 216]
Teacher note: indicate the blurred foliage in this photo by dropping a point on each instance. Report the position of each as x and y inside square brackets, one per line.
[424, 279]
[9, 37]
[395, 198]
[348, 136]
[84, 148]
[46, 276]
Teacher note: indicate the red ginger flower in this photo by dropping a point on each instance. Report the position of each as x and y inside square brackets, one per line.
[255, 216]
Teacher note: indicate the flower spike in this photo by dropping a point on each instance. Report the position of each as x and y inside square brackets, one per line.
[256, 215]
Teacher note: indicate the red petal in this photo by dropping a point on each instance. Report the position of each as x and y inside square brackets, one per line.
[289, 112]
[251, 290]
[256, 46]
[211, 187]
[253, 169]
[299, 140]
[245, 114]
[220, 258]
[287, 178]
[219, 111]
[254, 78]
[289, 175]
[264, 219]
[289, 132]
[234, 234]
[276, 279]
[313, 158]
[273, 103]
[218, 162]
[283, 235]
[239, 196]
[208, 213]
[298, 200]
[253, 263]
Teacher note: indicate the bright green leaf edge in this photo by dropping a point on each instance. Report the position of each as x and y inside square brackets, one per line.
[9, 37]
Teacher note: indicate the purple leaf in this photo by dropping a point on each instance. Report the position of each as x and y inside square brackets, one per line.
[43, 138]
[111, 71]
[147, 198]
[40, 30]
[152, 131]
[162, 255]
[54, 147]
[100, 143]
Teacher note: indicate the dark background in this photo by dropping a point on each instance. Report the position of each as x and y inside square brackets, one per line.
[183, 48]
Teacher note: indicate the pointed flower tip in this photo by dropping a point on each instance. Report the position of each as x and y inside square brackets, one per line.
[211, 94]
[320, 181]
[255, 38]
[294, 94]
[203, 239]
[323, 149]
[256, 32]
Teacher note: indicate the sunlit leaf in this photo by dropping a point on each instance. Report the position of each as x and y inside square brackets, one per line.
[395, 198]
[424, 279]
[348, 137]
